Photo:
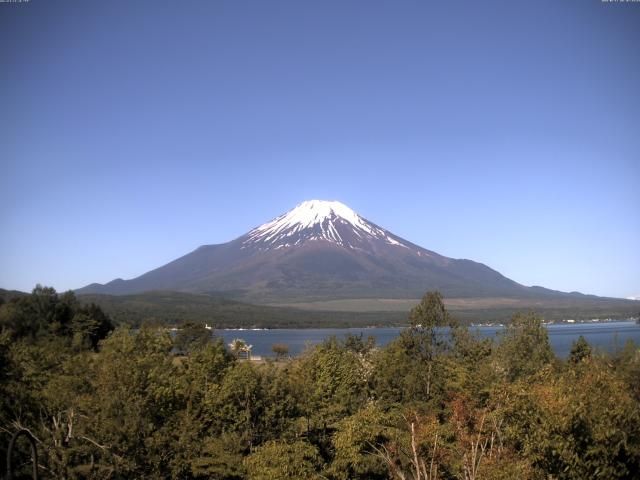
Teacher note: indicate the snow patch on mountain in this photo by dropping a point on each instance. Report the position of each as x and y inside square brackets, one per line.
[318, 220]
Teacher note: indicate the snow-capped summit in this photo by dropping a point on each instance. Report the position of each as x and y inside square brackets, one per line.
[319, 220]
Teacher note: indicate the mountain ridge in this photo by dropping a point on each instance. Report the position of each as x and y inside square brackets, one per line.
[322, 250]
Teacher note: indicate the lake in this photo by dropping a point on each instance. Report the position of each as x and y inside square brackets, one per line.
[602, 335]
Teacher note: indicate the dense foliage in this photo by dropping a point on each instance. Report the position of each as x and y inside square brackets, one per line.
[436, 403]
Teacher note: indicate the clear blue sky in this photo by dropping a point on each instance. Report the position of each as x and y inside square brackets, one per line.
[504, 132]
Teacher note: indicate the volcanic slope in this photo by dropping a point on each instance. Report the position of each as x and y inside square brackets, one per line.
[323, 250]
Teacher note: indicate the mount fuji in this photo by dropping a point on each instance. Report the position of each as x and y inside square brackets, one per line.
[322, 250]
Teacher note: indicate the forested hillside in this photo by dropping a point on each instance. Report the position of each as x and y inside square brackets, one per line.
[165, 308]
[121, 404]
[174, 308]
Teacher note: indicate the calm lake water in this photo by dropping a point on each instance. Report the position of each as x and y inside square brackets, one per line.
[605, 336]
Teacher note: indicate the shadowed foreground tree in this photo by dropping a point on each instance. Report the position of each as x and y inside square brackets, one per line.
[192, 336]
[46, 314]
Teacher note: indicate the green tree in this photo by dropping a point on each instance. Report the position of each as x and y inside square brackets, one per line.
[45, 314]
[357, 344]
[580, 350]
[626, 361]
[192, 336]
[89, 325]
[30, 367]
[202, 370]
[283, 461]
[280, 349]
[221, 457]
[410, 368]
[37, 315]
[524, 346]
[255, 402]
[17, 320]
[137, 396]
[353, 444]
[332, 383]
[583, 423]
